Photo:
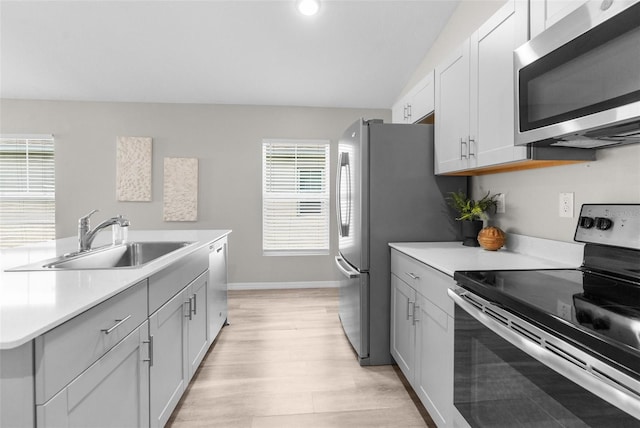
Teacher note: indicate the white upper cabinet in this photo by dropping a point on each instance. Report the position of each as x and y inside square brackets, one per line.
[492, 86]
[452, 151]
[399, 111]
[475, 93]
[417, 104]
[545, 13]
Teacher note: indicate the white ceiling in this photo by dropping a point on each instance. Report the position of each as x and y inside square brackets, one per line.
[352, 54]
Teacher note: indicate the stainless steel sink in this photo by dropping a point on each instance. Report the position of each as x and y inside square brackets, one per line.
[129, 255]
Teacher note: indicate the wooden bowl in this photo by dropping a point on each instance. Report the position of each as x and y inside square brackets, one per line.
[491, 238]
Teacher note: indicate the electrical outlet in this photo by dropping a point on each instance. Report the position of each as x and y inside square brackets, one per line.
[500, 206]
[566, 204]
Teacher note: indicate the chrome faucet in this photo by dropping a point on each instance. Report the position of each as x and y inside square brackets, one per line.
[86, 235]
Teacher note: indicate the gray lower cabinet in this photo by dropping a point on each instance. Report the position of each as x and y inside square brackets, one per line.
[422, 333]
[403, 338]
[167, 374]
[433, 381]
[65, 352]
[112, 392]
[197, 342]
[178, 331]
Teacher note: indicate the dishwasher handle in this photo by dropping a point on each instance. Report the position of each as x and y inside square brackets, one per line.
[345, 269]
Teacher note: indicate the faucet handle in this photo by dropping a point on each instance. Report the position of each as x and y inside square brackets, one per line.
[85, 219]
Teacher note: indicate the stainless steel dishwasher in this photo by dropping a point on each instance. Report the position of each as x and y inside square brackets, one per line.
[217, 288]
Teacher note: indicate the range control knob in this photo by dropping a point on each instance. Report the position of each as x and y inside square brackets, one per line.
[603, 223]
[586, 222]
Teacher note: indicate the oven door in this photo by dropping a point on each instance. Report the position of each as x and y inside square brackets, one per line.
[510, 373]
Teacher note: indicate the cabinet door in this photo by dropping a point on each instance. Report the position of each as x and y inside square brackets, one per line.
[197, 343]
[492, 85]
[434, 360]
[422, 102]
[545, 13]
[399, 111]
[217, 289]
[452, 112]
[403, 299]
[113, 392]
[168, 372]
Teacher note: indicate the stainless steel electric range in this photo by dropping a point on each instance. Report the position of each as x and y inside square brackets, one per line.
[555, 347]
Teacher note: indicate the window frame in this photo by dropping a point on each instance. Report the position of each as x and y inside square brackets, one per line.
[16, 187]
[305, 198]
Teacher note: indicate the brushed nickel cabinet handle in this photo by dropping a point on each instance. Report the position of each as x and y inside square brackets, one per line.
[190, 311]
[150, 359]
[116, 325]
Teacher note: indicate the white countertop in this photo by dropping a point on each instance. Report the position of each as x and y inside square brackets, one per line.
[520, 252]
[32, 303]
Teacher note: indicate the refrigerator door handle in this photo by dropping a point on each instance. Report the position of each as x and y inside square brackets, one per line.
[338, 196]
[343, 226]
[346, 271]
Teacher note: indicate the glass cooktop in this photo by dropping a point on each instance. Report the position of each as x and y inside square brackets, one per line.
[597, 313]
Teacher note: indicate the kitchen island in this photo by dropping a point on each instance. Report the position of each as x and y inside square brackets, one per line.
[75, 344]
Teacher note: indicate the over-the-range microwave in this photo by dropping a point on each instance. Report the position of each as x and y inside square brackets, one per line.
[578, 82]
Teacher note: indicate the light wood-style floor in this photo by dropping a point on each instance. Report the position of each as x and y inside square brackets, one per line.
[284, 361]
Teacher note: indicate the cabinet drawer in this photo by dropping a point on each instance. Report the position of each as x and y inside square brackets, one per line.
[168, 282]
[66, 351]
[426, 280]
[405, 268]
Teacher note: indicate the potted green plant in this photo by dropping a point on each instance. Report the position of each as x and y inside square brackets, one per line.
[472, 213]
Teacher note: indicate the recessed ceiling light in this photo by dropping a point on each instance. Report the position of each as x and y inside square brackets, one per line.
[308, 7]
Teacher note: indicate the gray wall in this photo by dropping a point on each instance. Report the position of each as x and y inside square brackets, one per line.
[226, 140]
[532, 206]
[532, 196]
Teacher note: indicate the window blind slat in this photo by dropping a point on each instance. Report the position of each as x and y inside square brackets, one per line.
[295, 197]
[27, 191]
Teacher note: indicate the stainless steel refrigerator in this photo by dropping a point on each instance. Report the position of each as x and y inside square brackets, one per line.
[386, 192]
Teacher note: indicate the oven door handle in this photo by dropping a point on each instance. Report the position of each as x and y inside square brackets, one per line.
[591, 373]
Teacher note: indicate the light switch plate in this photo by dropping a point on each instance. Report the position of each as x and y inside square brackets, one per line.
[566, 204]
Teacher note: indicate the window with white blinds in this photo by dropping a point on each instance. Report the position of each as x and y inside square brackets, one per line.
[295, 197]
[27, 190]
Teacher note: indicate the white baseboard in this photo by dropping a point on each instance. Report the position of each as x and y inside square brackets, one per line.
[281, 285]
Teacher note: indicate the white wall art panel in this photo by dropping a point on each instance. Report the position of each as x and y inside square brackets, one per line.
[180, 189]
[133, 169]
